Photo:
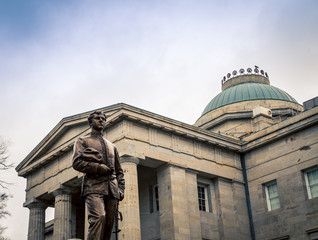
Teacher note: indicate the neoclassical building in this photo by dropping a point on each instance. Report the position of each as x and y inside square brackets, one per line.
[247, 169]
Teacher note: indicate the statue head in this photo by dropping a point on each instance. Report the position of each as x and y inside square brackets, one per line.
[93, 114]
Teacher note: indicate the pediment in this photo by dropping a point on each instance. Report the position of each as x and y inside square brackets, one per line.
[62, 137]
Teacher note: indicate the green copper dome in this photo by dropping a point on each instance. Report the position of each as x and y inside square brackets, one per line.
[246, 92]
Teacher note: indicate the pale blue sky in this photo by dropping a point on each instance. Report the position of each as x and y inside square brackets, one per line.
[167, 57]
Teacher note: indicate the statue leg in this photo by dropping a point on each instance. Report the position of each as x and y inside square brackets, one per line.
[96, 216]
[110, 208]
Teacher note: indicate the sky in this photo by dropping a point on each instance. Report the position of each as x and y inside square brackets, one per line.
[64, 57]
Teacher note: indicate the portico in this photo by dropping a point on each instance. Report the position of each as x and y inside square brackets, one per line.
[248, 165]
[166, 154]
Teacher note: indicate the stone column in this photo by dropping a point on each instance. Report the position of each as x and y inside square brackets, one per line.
[36, 221]
[62, 215]
[193, 204]
[130, 226]
[173, 202]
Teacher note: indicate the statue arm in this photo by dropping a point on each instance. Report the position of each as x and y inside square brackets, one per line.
[119, 172]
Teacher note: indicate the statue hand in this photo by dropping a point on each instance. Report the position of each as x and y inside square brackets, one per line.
[121, 195]
[103, 169]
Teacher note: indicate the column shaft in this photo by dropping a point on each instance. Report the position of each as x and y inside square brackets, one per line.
[193, 205]
[36, 222]
[130, 226]
[63, 216]
[173, 202]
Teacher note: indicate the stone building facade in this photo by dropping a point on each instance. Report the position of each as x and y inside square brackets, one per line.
[247, 169]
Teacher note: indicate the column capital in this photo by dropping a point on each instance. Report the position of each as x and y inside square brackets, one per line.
[62, 190]
[36, 204]
[129, 159]
[170, 165]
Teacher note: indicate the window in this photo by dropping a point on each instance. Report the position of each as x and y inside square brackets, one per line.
[154, 198]
[272, 196]
[311, 179]
[312, 233]
[203, 198]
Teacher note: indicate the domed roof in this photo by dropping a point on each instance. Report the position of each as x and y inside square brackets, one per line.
[247, 91]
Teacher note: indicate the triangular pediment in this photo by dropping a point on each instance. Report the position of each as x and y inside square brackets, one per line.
[62, 136]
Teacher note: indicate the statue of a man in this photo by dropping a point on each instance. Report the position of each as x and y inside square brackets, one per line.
[103, 182]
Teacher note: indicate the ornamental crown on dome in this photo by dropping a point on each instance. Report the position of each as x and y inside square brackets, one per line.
[242, 72]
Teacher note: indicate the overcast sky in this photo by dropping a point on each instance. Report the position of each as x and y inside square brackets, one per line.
[60, 58]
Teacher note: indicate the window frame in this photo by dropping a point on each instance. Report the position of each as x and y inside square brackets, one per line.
[268, 197]
[207, 199]
[308, 186]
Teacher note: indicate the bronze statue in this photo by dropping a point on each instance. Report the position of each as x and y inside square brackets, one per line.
[103, 182]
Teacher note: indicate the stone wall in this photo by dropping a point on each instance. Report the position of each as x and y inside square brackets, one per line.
[284, 161]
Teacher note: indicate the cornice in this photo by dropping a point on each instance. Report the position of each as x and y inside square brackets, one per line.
[281, 129]
[177, 127]
[225, 117]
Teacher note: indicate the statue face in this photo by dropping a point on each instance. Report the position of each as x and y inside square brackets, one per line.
[98, 122]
